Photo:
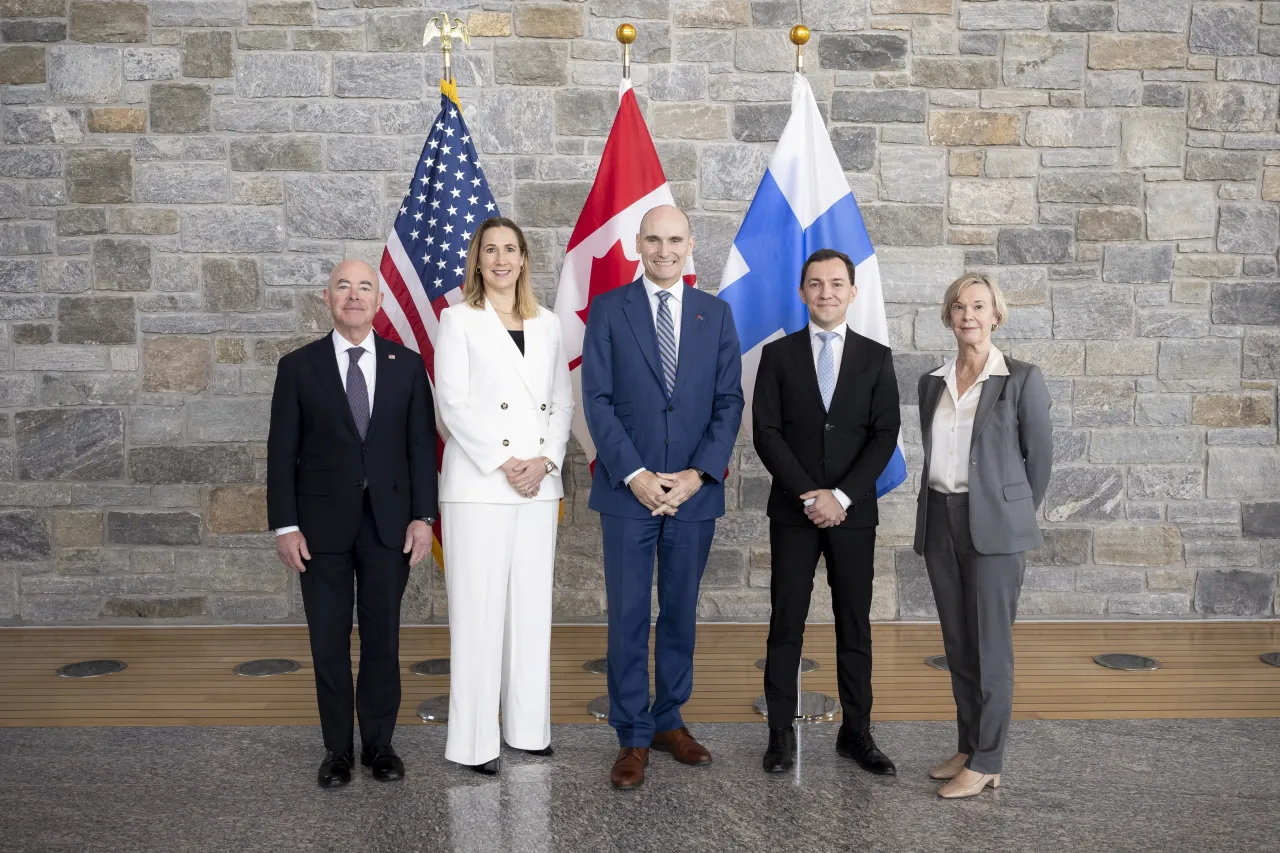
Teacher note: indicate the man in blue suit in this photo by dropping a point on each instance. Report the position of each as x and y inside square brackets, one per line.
[662, 394]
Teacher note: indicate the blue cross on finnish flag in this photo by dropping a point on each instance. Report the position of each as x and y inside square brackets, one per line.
[803, 204]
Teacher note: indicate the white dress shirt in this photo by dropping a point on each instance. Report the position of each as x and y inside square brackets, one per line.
[837, 354]
[368, 362]
[952, 430]
[674, 305]
[368, 366]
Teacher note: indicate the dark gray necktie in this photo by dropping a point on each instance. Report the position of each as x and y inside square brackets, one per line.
[358, 391]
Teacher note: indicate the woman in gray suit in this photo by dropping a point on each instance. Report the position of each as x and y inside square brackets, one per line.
[988, 448]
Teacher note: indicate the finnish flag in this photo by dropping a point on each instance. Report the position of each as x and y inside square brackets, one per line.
[803, 204]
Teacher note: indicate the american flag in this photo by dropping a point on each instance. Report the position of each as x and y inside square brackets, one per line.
[426, 253]
[425, 259]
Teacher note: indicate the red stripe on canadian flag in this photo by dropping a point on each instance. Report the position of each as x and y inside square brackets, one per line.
[602, 251]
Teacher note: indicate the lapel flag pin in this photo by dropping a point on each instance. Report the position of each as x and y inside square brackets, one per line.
[391, 355]
[699, 316]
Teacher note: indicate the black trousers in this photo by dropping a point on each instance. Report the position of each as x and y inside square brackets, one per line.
[372, 577]
[850, 556]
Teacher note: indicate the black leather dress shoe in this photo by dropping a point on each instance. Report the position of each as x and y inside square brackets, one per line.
[383, 763]
[861, 747]
[781, 754]
[335, 770]
[546, 750]
[489, 768]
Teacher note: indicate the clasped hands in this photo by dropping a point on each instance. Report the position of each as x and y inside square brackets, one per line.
[525, 475]
[664, 493]
[825, 511]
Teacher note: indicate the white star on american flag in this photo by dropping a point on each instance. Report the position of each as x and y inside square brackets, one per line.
[425, 259]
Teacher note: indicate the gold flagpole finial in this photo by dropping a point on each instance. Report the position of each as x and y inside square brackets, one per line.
[441, 27]
[626, 34]
[799, 37]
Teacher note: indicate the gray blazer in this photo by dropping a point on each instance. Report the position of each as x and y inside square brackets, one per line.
[1010, 458]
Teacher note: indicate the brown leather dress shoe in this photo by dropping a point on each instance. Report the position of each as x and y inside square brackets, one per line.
[680, 743]
[628, 768]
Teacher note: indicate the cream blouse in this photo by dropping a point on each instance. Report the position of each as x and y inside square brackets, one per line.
[952, 429]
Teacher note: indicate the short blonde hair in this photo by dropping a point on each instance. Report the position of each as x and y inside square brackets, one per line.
[526, 304]
[968, 280]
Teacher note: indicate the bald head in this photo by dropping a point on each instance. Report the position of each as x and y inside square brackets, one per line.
[667, 214]
[664, 243]
[353, 298]
[353, 270]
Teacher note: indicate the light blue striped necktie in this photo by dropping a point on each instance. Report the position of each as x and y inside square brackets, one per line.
[667, 342]
[826, 369]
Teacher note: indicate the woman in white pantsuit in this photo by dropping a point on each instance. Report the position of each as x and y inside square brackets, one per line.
[502, 386]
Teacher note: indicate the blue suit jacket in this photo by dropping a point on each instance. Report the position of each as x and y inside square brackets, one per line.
[632, 421]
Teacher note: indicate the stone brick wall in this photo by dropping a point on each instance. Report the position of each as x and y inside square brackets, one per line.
[177, 177]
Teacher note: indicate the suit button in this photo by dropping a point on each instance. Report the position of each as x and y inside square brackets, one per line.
[671, 408]
[504, 405]
[828, 426]
[973, 460]
[541, 441]
[544, 407]
[506, 443]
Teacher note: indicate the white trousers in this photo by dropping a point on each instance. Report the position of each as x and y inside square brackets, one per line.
[499, 566]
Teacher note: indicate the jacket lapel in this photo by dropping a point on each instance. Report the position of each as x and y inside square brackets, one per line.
[506, 345]
[641, 319]
[991, 389]
[691, 326]
[802, 353]
[326, 366]
[849, 362]
[934, 388]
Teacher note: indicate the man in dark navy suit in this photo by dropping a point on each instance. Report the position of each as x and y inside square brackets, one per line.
[351, 495]
[662, 394]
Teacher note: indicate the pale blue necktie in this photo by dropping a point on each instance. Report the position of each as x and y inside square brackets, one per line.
[667, 342]
[826, 369]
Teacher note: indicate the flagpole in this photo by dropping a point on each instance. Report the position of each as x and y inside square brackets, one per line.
[626, 34]
[800, 37]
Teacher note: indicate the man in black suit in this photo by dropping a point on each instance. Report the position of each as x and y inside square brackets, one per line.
[825, 423]
[351, 495]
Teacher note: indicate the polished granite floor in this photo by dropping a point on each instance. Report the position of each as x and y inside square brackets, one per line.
[1159, 785]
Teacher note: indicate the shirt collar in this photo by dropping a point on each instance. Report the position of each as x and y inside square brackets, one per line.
[676, 290]
[341, 344]
[840, 330]
[995, 366]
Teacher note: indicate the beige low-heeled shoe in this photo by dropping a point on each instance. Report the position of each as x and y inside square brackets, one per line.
[949, 768]
[961, 787]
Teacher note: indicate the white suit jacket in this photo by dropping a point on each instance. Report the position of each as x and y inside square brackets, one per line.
[495, 403]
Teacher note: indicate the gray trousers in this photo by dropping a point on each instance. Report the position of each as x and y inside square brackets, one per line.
[977, 596]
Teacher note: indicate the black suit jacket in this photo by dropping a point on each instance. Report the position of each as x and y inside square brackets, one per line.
[317, 466]
[807, 448]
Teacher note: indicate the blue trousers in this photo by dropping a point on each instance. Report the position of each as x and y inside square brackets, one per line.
[630, 545]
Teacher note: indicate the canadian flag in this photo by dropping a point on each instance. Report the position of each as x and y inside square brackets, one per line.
[602, 251]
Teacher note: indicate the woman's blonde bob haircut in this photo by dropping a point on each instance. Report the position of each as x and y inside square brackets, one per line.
[526, 304]
[968, 280]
